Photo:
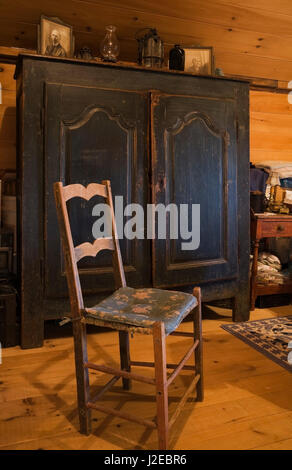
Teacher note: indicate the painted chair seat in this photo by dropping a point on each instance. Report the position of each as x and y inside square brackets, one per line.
[144, 307]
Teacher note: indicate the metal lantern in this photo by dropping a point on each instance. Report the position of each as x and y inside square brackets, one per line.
[150, 49]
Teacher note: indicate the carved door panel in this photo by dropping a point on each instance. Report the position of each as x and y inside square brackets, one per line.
[194, 159]
[91, 135]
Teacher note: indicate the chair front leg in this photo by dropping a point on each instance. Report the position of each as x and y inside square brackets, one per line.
[125, 357]
[161, 384]
[197, 318]
[82, 376]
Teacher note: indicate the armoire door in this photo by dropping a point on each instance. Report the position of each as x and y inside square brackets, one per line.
[194, 158]
[91, 135]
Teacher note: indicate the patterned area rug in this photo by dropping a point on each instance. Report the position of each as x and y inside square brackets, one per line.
[271, 337]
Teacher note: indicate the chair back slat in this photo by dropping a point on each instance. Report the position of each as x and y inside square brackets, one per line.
[77, 190]
[91, 249]
[74, 254]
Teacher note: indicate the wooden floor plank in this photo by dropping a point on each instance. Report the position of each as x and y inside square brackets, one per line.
[247, 396]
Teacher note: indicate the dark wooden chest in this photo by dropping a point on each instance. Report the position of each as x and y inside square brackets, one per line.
[161, 138]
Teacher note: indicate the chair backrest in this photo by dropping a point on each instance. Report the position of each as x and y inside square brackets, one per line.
[74, 254]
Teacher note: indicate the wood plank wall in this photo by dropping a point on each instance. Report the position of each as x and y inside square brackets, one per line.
[270, 126]
[250, 37]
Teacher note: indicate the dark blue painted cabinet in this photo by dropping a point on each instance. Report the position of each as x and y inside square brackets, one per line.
[161, 138]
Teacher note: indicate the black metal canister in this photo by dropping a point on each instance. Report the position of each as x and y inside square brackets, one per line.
[176, 58]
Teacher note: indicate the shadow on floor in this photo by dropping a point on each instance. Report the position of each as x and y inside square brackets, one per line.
[53, 329]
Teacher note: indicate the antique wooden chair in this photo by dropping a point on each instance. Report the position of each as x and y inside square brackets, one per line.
[125, 311]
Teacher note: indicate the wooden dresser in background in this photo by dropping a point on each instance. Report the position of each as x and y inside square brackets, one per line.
[267, 225]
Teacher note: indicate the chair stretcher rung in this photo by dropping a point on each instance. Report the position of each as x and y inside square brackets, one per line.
[182, 363]
[120, 373]
[122, 414]
[151, 364]
[183, 400]
[182, 333]
[107, 386]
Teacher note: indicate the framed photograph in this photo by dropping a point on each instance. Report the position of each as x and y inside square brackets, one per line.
[199, 60]
[55, 38]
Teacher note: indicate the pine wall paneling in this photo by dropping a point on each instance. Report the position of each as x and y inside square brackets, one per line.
[249, 38]
[270, 126]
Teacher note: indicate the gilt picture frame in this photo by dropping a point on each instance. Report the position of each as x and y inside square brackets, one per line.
[55, 38]
[199, 60]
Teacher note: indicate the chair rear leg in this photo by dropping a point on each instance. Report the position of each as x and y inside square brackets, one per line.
[161, 384]
[82, 376]
[125, 357]
[199, 349]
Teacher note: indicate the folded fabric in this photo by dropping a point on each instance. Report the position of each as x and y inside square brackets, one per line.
[274, 164]
[270, 260]
[267, 274]
[282, 168]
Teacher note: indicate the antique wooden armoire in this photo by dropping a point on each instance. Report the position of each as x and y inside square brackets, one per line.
[160, 137]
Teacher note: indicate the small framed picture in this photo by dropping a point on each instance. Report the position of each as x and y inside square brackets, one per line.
[55, 38]
[199, 60]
